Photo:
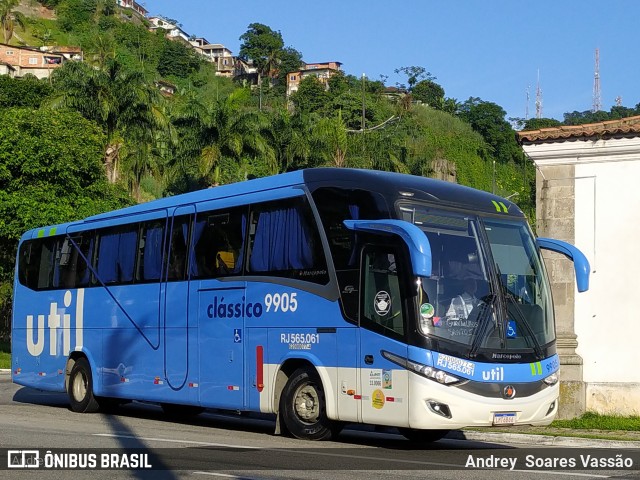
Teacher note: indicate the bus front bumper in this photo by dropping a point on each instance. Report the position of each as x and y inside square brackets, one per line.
[436, 406]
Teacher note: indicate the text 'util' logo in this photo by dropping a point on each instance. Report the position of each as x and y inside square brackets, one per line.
[57, 319]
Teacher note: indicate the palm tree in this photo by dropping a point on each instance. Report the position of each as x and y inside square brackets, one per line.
[10, 19]
[329, 142]
[118, 100]
[224, 130]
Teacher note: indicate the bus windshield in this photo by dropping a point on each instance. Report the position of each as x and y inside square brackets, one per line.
[462, 302]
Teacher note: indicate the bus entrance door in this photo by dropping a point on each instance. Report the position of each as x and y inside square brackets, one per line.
[176, 300]
[383, 385]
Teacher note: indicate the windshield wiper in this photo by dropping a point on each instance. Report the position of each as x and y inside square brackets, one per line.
[484, 321]
[523, 320]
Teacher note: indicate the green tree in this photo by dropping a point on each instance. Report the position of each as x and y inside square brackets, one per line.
[311, 96]
[10, 18]
[23, 92]
[329, 142]
[50, 172]
[262, 45]
[290, 60]
[76, 14]
[177, 60]
[536, 123]
[224, 138]
[488, 119]
[118, 100]
[429, 93]
[414, 75]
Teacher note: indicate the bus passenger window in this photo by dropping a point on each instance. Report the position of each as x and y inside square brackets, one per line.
[286, 243]
[178, 248]
[219, 243]
[150, 251]
[117, 254]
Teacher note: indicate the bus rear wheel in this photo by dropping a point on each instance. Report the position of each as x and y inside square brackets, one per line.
[422, 436]
[302, 407]
[80, 388]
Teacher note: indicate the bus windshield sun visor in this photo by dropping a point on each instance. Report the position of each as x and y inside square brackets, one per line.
[580, 262]
[415, 239]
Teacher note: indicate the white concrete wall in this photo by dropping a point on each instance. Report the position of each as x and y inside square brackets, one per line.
[607, 230]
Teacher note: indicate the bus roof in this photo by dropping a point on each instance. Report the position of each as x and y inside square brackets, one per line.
[387, 183]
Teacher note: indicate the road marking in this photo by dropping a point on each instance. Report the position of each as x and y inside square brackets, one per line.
[215, 474]
[170, 440]
[336, 455]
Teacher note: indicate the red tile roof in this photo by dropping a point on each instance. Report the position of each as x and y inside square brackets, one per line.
[623, 126]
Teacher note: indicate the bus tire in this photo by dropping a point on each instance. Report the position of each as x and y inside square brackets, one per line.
[422, 436]
[303, 407]
[80, 388]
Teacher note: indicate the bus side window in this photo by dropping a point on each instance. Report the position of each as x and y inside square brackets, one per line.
[117, 254]
[179, 240]
[219, 243]
[150, 251]
[286, 242]
[382, 302]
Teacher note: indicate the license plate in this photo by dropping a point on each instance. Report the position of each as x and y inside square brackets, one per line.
[504, 418]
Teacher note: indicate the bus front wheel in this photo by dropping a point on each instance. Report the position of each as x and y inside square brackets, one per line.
[302, 407]
[80, 388]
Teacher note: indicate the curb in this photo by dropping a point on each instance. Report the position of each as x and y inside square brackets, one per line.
[5, 371]
[543, 440]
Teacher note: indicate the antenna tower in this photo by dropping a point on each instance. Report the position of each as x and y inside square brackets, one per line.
[597, 104]
[538, 98]
[526, 110]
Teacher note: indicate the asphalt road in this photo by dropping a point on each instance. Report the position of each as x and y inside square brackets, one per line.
[215, 445]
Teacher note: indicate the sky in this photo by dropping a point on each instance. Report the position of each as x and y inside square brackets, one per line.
[491, 49]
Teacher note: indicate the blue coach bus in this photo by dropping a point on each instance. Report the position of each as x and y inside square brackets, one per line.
[324, 296]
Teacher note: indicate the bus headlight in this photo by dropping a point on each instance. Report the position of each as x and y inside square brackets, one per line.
[426, 371]
[551, 379]
[433, 373]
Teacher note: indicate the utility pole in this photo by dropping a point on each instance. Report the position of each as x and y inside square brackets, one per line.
[597, 104]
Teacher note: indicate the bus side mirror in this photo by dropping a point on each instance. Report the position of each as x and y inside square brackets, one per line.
[580, 262]
[413, 237]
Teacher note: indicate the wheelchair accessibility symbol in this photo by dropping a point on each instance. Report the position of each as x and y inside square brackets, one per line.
[511, 329]
[237, 335]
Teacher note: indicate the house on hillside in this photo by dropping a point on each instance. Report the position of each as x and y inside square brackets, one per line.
[323, 71]
[245, 70]
[167, 89]
[133, 5]
[587, 194]
[221, 56]
[173, 32]
[29, 60]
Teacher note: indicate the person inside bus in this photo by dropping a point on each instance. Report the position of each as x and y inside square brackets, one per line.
[462, 305]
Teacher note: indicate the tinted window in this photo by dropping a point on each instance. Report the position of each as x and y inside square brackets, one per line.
[334, 206]
[150, 251]
[219, 243]
[285, 242]
[178, 242]
[117, 254]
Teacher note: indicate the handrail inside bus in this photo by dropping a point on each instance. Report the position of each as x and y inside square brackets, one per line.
[580, 262]
[416, 240]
